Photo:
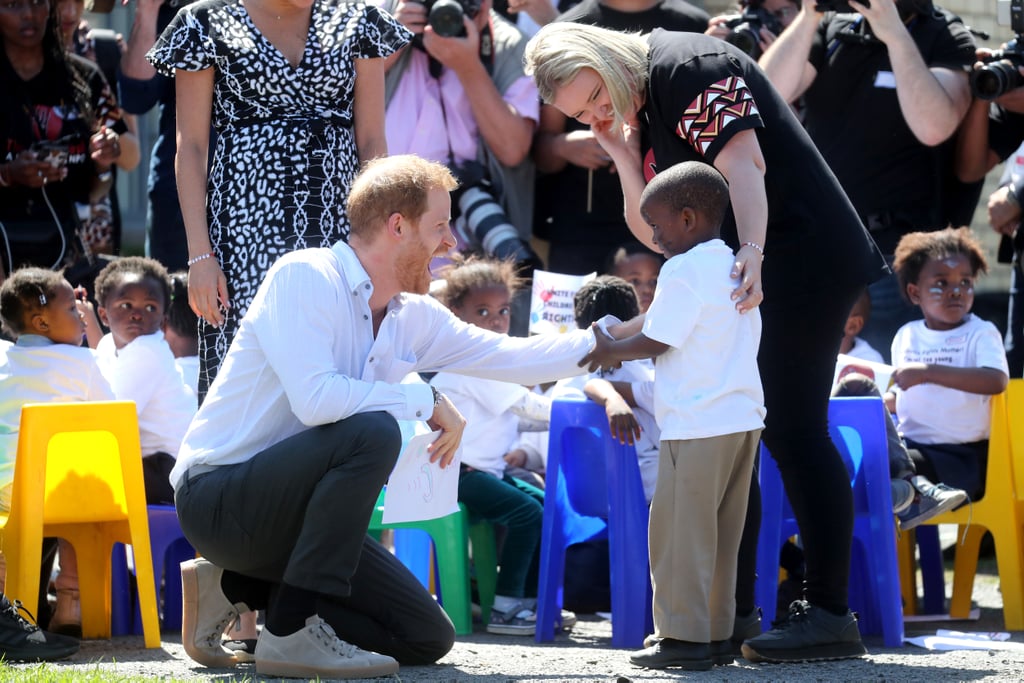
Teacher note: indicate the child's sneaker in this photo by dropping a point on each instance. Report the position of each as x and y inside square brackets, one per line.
[520, 620]
[903, 495]
[23, 641]
[934, 499]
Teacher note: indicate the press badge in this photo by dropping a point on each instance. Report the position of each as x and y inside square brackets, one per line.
[885, 79]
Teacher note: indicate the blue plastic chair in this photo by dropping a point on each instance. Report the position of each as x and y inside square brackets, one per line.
[593, 490]
[169, 549]
[857, 427]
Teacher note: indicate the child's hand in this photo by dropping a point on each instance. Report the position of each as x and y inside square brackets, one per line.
[516, 458]
[621, 420]
[910, 375]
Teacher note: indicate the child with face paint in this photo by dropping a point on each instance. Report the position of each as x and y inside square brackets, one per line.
[949, 364]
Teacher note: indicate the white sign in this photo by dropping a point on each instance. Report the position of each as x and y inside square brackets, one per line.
[551, 306]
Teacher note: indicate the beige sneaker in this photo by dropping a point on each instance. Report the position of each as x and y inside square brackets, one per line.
[206, 612]
[316, 652]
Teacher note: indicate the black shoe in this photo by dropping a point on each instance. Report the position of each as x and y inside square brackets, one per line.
[808, 634]
[680, 654]
[23, 641]
[724, 652]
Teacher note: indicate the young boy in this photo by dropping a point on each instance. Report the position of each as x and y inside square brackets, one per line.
[133, 295]
[710, 408]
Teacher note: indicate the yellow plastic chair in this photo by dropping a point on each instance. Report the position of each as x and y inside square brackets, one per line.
[1000, 511]
[78, 476]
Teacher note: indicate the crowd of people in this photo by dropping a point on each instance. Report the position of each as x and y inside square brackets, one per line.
[373, 183]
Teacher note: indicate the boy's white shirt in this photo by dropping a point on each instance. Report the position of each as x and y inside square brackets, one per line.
[145, 371]
[929, 413]
[707, 383]
[861, 349]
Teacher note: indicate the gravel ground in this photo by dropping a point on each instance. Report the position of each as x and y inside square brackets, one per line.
[586, 655]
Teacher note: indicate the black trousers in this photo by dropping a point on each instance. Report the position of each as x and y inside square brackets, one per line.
[799, 343]
[297, 513]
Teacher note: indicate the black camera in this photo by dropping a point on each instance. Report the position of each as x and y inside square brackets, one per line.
[445, 16]
[838, 5]
[999, 75]
[483, 221]
[746, 29]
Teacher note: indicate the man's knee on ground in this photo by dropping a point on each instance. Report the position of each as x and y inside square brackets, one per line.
[432, 647]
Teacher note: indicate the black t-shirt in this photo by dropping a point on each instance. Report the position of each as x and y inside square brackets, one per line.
[575, 205]
[854, 117]
[41, 109]
[702, 92]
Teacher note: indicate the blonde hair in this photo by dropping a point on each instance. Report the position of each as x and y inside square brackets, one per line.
[557, 53]
[395, 184]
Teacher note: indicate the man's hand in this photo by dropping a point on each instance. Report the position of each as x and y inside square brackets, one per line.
[458, 52]
[1003, 211]
[449, 420]
[412, 15]
[600, 357]
[884, 18]
[621, 420]
[581, 148]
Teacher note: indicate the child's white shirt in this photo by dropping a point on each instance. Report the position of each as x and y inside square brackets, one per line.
[492, 429]
[707, 383]
[929, 413]
[144, 371]
[189, 366]
[36, 370]
[861, 349]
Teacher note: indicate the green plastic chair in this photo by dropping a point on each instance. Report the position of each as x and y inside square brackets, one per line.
[452, 537]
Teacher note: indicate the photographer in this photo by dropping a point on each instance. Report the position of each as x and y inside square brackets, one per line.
[883, 86]
[993, 132]
[459, 96]
[755, 25]
[58, 128]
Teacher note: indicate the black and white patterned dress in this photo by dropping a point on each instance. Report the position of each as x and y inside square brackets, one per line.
[285, 149]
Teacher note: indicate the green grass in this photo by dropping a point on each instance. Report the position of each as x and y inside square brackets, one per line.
[57, 673]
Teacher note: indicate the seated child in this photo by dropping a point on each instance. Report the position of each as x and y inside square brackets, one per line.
[852, 345]
[46, 363]
[639, 266]
[625, 392]
[946, 365]
[710, 408]
[908, 488]
[479, 292]
[133, 295]
[181, 330]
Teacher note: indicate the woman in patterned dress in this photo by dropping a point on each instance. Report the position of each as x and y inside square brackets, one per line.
[296, 91]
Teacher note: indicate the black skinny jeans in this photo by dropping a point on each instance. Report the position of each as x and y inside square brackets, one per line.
[799, 343]
[297, 513]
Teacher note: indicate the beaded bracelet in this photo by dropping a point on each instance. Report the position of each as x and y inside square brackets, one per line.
[755, 245]
[192, 261]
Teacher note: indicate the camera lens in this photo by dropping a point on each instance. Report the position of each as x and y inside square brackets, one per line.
[446, 18]
[746, 38]
[995, 79]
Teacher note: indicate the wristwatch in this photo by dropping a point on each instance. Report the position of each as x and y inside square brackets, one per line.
[437, 395]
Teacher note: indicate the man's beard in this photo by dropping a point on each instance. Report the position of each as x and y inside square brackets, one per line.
[413, 273]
